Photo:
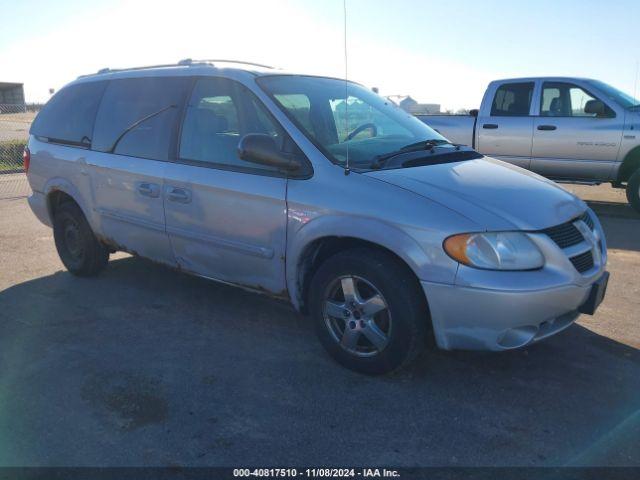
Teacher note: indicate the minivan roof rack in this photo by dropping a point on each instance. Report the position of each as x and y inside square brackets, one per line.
[181, 63]
[189, 61]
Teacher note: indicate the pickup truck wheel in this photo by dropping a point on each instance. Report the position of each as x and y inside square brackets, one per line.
[633, 190]
[369, 311]
[79, 249]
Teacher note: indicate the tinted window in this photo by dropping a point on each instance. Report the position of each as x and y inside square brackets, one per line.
[513, 99]
[565, 100]
[219, 113]
[146, 106]
[70, 114]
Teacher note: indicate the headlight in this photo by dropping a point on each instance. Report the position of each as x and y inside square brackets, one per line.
[495, 251]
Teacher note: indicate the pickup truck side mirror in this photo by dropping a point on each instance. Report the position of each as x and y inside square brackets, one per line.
[262, 149]
[474, 112]
[596, 107]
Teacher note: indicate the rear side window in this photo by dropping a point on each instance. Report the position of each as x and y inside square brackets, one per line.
[513, 99]
[137, 116]
[69, 116]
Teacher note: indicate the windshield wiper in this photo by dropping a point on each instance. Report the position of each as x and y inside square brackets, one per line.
[380, 160]
[135, 124]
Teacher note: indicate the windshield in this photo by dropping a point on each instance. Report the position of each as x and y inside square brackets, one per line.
[623, 99]
[366, 124]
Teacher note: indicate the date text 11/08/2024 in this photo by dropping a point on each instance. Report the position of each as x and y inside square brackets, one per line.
[317, 472]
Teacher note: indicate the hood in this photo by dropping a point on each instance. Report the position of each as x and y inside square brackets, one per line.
[494, 194]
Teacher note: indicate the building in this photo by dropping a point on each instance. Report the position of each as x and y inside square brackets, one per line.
[405, 102]
[425, 109]
[11, 93]
[410, 105]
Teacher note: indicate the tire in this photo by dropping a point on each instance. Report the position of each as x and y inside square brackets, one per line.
[79, 249]
[383, 281]
[633, 190]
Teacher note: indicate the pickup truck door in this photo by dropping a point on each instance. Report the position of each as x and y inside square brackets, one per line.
[505, 127]
[568, 142]
[226, 217]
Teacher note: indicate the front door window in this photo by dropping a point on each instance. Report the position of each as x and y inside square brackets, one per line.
[564, 100]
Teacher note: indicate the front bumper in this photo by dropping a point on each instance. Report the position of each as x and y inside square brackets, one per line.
[500, 310]
[484, 319]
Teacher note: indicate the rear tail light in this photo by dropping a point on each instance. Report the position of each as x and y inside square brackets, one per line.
[26, 158]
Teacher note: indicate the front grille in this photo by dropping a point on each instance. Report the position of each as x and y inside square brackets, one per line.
[567, 235]
[583, 262]
[564, 235]
[586, 218]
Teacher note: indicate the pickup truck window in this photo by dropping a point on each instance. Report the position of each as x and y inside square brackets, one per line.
[618, 96]
[512, 100]
[561, 99]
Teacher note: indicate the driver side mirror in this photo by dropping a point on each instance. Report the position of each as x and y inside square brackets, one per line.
[262, 149]
[596, 107]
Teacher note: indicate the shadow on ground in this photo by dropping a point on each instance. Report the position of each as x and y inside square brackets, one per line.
[147, 366]
[621, 224]
[613, 209]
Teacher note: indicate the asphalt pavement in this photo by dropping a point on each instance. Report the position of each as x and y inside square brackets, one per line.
[147, 366]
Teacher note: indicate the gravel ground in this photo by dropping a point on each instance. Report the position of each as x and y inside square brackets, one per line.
[15, 125]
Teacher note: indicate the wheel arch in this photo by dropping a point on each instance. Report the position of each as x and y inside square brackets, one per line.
[315, 243]
[59, 190]
[321, 249]
[630, 164]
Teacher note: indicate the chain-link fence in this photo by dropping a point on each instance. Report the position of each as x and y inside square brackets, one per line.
[15, 121]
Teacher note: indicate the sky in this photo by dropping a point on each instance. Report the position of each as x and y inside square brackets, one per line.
[442, 52]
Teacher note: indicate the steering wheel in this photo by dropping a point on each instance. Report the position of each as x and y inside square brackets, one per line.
[361, 128]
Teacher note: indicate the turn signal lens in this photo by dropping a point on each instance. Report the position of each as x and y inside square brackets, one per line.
[495, 251]
[456, 247]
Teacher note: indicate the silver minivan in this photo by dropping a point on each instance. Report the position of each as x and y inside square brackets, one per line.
[320, 192]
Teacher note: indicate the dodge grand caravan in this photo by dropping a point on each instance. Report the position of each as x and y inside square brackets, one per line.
[318, 191]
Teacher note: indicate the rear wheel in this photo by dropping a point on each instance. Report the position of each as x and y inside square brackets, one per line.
[369, 311]
[633, 190]
[79, 249]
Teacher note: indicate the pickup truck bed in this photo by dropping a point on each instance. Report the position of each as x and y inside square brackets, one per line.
[457, 128]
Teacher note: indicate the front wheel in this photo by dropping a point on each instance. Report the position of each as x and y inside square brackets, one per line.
[369, 311]
[633, 190]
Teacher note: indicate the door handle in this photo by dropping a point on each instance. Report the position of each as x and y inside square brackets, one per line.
[180, 195]
[149, 189]
[490, 126]
[547, 127]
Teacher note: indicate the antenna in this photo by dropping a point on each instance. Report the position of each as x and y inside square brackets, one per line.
[635, 84]
[346, 87]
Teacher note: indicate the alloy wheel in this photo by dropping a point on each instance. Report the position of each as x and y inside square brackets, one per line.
[357, 316]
